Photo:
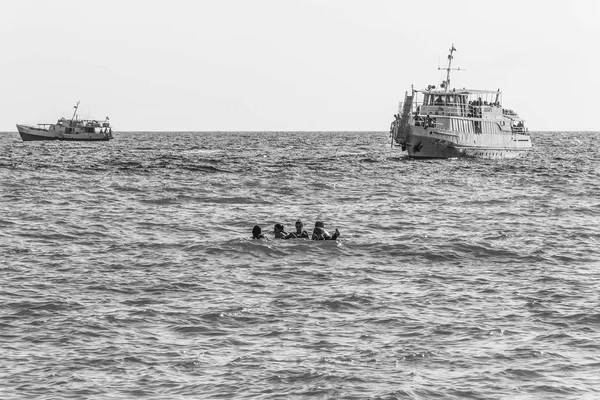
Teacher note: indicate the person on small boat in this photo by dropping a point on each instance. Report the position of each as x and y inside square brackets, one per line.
[319, 233]
[257, 233]
[300, 232]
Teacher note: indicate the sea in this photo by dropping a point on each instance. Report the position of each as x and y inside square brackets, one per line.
[127, 269]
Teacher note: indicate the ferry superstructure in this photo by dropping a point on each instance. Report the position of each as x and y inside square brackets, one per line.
[447, 123]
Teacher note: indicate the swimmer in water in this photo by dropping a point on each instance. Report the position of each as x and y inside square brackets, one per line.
[300, 232]
[279, 232]
[257, 233]
[319, 233]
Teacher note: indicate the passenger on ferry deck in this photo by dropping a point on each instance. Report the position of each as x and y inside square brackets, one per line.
[428, 122]
[319, 233]
[393, 124]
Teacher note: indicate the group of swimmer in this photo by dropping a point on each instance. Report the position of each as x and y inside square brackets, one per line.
[319, 232]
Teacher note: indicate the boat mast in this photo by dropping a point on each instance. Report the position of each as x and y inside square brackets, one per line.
[448, 69]
[75, 112]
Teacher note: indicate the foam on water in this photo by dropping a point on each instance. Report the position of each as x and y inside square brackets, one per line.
[128, 269]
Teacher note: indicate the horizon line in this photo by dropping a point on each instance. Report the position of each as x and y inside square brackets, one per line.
[297, 131]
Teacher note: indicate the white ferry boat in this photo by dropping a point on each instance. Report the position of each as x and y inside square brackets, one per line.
[68, 129]
[446, 123]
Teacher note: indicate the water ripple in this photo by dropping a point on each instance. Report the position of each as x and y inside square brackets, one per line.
[128, 269]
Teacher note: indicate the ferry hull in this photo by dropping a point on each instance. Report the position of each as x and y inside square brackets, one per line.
[29, 134]
[421, 143]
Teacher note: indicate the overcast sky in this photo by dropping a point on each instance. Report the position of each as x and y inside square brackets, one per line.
[291, 65]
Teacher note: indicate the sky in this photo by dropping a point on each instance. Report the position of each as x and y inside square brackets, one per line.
[283, 65]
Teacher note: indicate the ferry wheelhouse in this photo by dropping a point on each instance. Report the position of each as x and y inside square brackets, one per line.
[68, 129]
[446, 123]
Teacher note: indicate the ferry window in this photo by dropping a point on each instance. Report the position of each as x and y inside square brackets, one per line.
[439, 101]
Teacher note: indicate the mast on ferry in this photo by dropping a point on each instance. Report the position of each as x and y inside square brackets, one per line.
[75, 112]
[446, 83]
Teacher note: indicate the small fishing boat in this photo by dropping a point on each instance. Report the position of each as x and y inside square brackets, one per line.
[68, 129]
[447, 123]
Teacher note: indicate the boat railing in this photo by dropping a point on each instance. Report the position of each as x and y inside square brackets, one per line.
[472, 109]
[454, 109]
[442, 109]
[37, 128]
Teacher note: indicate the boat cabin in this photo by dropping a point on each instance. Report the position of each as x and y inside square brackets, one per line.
[480, 105]
[80, 126]
[461, 103]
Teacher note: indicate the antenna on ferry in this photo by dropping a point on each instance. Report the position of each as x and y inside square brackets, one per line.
[446, 83]
[76, 106]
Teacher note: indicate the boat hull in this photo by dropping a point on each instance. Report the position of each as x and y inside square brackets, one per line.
[29, 134]
[431, 143]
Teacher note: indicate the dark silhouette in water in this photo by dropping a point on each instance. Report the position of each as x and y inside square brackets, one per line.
[257, 233]
[300, 232]
[280, 232]
[319, 233]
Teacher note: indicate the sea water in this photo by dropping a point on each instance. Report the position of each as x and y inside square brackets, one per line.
[127, 269]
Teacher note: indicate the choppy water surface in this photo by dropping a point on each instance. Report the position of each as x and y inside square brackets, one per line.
[127, 269]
